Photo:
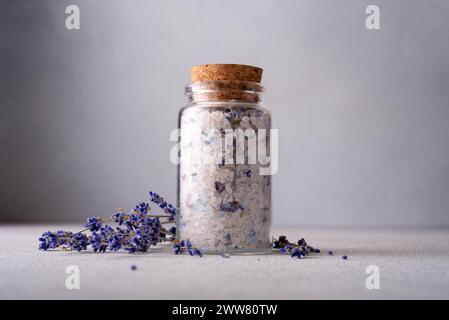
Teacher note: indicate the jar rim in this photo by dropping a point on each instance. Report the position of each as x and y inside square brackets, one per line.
[230, 86]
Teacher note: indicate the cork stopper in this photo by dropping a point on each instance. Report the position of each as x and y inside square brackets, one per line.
[231, 72]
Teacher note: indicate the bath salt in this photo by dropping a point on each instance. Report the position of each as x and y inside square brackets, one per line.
[224, 195]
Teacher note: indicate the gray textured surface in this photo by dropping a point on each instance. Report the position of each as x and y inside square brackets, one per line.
[413, 264]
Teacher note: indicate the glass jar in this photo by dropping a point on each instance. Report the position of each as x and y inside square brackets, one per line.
[224, 200]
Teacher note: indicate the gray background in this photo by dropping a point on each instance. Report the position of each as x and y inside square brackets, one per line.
[363, 115]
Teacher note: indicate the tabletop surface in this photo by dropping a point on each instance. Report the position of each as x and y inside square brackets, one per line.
[412, 264]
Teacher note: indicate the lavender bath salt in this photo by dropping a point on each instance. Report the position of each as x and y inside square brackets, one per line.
[224, 187]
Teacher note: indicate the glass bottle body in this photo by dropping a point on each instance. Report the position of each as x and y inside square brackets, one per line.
[224, 200]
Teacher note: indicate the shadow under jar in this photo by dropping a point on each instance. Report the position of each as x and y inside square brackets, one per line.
[224, 200]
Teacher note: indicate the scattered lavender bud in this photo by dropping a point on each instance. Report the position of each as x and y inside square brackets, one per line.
[78, 242]
[331, 253]
[195, 252]
[295, 253]
[98, 242]
[93, 223]
[183, 246]
[282, 239]
[133, 267]
[344, 257]
[142, 207]
[177, 250]
[188, 245]
[48, 240]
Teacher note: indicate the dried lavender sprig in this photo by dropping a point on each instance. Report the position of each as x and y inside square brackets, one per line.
[167, 207]
[141, 231]
[296, 250]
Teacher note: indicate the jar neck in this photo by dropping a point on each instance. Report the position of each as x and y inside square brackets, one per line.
[224, 90]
